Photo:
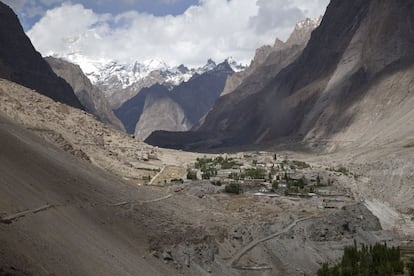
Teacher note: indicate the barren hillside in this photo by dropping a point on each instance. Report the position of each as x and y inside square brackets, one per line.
[81, 134]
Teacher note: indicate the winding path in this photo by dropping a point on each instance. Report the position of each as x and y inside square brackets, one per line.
[141, 201]
[235, 259]
[11, 218]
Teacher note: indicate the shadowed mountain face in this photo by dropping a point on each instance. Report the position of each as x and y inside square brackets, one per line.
[20, 63]
[177, 109]
[161, 112]
[130, 112]
[347, 65]
[89, 95]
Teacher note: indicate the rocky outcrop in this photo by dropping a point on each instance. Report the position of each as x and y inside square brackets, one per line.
[21, 63]
[130, 112]
[161, 112]
[90, 96]
[352, 82]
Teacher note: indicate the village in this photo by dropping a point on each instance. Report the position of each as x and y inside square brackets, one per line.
[265, 174]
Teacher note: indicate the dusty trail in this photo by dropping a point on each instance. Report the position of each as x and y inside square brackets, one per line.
[143, 201]
[10, 218]
[235, 259]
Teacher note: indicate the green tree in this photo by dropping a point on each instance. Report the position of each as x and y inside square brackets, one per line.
[366, 261]
[324, 270]
[410, 266]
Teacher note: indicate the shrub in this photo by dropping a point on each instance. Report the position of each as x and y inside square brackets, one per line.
[216, 183]
[191, 175]
[343, 170]
[301, 182]
[300, 164]
[233, 188]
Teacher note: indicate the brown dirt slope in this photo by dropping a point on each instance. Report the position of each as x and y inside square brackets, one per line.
[79, 233]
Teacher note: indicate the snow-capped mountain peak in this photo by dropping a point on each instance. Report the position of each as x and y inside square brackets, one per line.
[113, 76]
[210, 65]
[302, 30]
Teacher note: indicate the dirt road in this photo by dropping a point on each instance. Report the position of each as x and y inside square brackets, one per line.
[235, 259]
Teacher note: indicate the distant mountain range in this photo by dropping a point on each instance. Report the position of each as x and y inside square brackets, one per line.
[122, 81]
[167, 107]
[145, 96]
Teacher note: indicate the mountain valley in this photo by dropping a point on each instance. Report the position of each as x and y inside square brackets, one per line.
[109, 168]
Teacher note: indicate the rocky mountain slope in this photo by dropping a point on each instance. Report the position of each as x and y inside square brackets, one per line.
[119, 96]
[80, 134]
[183, 106]
[351, 84]
[90, 96]
[189, 101]
[272, 59]
[160, 111]
[19, 62]
[130, 112]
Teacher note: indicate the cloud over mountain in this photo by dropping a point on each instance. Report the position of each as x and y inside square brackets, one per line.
[213, 29]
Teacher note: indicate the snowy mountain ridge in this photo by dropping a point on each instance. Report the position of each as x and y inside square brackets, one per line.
[122, 75]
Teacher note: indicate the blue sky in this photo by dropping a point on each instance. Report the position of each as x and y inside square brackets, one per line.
[173, 31]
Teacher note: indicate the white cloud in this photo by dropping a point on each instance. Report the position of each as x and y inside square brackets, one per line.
[215, 28]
